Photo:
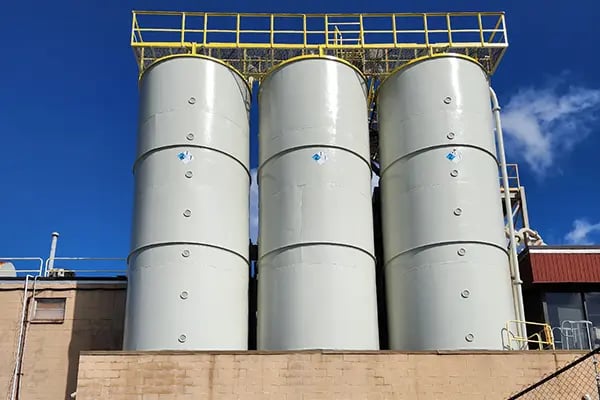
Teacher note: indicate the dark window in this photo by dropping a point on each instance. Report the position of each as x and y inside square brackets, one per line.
[49, 310]
[592, 305]
[565, 311]
[563, 306]
[592, 308]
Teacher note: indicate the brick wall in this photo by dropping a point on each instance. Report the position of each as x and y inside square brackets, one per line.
[312, 375]
[94, 315]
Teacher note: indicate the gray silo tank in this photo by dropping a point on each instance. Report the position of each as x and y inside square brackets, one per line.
[446, 264]
[188, 269]
[316, 268]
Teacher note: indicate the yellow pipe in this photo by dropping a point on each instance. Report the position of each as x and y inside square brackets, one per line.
[169, 57]
[312, 57]
[421, 59]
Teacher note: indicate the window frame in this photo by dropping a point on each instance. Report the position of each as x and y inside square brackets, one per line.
[61, 302]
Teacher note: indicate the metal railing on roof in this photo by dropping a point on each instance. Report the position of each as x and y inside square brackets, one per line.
[86, 266]
[543, 338]
[23, 266]
[375, 43]
[65, 267]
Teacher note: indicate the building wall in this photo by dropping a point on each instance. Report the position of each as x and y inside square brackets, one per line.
[546, 264]
[312, 375]
[94, 321]
[94, 314]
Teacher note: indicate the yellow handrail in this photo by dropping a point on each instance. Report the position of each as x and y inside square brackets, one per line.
[271, 39]
[544, 338]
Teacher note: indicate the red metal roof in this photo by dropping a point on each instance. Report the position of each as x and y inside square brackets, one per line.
[560, 265]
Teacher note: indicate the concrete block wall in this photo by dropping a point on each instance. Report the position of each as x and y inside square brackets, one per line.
[94, 313]
[51, 363]
[312, 375]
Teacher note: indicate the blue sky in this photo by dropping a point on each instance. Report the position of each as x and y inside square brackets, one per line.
[68, 112]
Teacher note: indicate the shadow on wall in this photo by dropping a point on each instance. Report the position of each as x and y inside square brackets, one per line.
[380, 271]
[98, 319]
[93, 320]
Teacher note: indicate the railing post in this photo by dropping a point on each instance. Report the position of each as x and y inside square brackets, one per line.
[238, 27]
[362, 31]
[182, 29]
[449, 29]
[480, 29]
[326, 33]
[204, 32]
[272, 30]
[429, 49]
[304, 29]
[394, 30]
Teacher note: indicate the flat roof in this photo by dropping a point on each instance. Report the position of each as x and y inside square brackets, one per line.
[566, 249]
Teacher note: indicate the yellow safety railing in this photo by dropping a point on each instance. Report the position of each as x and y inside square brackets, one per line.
[374, 43]
[543, 338]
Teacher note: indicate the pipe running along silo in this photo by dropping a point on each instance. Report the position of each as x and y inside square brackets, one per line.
[446, 263]
[316, 268]
[188, 269]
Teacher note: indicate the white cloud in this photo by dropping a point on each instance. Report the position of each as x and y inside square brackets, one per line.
[542, 124]
[581, 231]
[253, 206]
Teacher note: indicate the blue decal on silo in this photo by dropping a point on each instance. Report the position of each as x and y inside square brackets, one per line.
[185, 157]
[320, 157]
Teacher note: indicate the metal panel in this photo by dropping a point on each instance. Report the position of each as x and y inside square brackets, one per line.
[447, 272]
[562, 268]
[316, 256]
[188, 270]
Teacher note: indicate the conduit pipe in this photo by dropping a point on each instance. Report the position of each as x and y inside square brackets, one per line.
[20, 343]
[515, 274]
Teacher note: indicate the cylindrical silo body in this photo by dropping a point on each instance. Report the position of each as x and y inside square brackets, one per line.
[188, 269]
[447, 269]
[316, 269]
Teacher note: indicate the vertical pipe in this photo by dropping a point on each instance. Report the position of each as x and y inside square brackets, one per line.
[20, 342]
[524, 211]
[50, 267]
[514, 266]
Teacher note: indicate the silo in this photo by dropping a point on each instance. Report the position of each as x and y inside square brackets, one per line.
[447, 269]
[188, 269]
[316, 268]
